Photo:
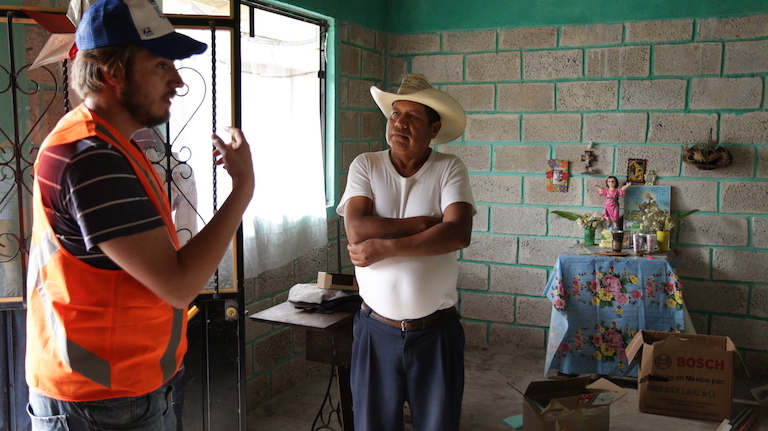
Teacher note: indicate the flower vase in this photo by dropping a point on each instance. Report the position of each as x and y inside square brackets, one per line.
[589, 237]
[662, 240]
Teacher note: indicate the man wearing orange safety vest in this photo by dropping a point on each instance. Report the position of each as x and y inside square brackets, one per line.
[108, 281]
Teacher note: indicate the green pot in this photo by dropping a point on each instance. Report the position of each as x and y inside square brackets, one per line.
[589, 237]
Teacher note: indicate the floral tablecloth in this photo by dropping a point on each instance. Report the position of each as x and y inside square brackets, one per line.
[599, 304]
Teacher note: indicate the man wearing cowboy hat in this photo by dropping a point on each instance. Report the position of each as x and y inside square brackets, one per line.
[407, 211]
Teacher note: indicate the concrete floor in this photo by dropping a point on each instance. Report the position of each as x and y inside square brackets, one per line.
[488, 399]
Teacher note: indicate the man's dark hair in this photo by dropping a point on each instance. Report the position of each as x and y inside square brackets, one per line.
[432, 115]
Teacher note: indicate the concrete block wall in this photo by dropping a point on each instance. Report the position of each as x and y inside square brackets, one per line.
[362, 65]
[275, 355]
[635, 89]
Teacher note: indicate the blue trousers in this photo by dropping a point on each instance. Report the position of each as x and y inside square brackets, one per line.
[390, 367]
[151, 412]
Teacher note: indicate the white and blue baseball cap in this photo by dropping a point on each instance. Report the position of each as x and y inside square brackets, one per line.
[109, 22]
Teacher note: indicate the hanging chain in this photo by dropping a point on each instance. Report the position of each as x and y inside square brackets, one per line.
[213, 106]
[213, 128]
[65, 84]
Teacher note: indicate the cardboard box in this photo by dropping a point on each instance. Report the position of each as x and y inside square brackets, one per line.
[684, 375]
[336, 281]
[570, 404]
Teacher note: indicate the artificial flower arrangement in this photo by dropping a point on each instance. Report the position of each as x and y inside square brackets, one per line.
[654, 219]
[590, 221]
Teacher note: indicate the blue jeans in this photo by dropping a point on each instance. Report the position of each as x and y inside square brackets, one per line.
[151, 412]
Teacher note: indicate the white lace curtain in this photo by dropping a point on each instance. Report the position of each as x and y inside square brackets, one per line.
[281, 120]
[281, 100]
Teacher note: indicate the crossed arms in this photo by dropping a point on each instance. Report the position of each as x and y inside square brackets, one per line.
[373, 238]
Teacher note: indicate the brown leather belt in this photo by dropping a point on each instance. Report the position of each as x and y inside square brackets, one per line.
[413, 324]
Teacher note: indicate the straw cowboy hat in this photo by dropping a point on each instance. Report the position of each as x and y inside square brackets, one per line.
[416, 88]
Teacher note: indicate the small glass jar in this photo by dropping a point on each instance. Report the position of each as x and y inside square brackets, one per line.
[638, 242]
[617, 240]
[651, 241]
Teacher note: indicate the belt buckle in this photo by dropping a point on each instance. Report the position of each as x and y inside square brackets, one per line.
[402, 324]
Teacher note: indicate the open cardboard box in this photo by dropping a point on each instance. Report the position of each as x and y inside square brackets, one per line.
[327, 280]
[569, 404]
[686, 375]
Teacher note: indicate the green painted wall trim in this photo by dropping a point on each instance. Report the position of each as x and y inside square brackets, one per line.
[408, 16]
[367, 13]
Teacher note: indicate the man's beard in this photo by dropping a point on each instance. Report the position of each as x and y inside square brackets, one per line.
[132, 96]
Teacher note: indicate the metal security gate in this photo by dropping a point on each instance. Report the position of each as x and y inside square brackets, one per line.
[28, 97]
[33, 101]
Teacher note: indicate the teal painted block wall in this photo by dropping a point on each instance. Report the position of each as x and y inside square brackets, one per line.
[407, 16]
[541, 84]
[367, 13]
[639, 89]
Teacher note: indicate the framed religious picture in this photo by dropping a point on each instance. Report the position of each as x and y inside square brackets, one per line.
[636, 170]
[557, 175]
[650, 178]
[639, 198]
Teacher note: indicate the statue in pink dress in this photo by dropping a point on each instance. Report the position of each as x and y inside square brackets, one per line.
[612, 192]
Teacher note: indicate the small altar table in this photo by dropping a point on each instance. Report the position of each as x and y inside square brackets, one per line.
[600, 302]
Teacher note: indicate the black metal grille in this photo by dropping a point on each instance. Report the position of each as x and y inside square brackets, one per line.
[21, 133]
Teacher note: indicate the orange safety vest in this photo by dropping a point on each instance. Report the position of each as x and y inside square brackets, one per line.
[92, 333]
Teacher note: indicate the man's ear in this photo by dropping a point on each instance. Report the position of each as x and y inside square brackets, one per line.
[436, 128]
[114, 76]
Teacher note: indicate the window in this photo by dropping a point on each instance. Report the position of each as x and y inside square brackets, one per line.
[281, 116]
[282, 68]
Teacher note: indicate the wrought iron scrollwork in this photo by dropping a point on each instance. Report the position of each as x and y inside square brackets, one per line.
[171, 161]
[17, 156]
[329, 411]
[170, 157]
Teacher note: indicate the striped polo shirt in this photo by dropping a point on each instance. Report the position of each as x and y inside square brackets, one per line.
[93, 195]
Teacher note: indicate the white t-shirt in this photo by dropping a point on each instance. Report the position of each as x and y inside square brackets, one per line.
[409, 287]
